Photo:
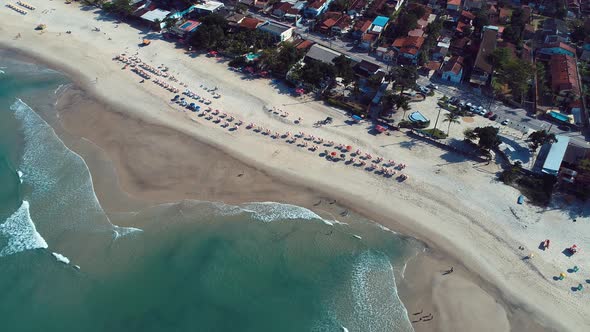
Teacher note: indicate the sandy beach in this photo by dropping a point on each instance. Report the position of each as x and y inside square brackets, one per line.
[161, 154]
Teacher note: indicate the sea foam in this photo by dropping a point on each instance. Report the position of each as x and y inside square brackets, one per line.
[21, 232]
[61, 258]
[271, 211]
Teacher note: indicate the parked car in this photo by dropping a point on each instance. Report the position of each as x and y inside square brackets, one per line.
[424, 89]
[482, 111]
[432, 86]
[505, 122]
[493, 117]
[488, 114]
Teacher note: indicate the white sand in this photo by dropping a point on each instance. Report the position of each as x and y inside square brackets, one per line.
[450, 202]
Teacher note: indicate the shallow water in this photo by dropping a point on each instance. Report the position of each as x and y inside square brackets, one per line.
[193, 265]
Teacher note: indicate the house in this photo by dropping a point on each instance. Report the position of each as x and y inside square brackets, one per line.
[564, 76]
[356, 7]
[459, 45]
[367, 40]
[155, 17]
[452, 70]
[482, 69]
[280, 32]
[208, 7]
[473, 4]
[557, 48]
[321, 53]
[367, 69]
[441, 49]
[376, 7]
[250, 23]
[408, 47]
[453, 5]
[303, 44]
[294, 13]
[379, 24]
[317, 8]
[235, 19]
[335, 23]
[360, 28]
[280, 9]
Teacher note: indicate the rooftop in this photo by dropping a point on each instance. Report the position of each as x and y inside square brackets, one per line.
[156, 14]
[322, 53]
[564, 74]
[380, 21]
[487, 46]
[275, 28]
[409, 45]
[250, 23]
[454, 65]
[556, 154]
[209, 6]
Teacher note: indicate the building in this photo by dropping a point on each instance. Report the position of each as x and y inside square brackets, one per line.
[250, 23]
[379, 24]
[321, 53]
[155, 17]
[482, 69]
[557, 48]
[453, 5]
[555, 27]
[555, 155]
[564, 76]
[408, 48]
[360, 28]
[452, 70]
[280, 32]
[317, 8]
[208, 7]
[335, 23]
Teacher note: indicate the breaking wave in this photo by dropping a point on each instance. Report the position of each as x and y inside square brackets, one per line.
[20, 232]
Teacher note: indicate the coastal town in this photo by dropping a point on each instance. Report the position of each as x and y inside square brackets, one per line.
[467, 119]
[515, 73]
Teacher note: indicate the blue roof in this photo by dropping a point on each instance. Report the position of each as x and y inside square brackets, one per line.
[555, 156]
[380, 21]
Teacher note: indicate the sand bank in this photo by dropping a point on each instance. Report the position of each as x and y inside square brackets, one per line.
[452, 204]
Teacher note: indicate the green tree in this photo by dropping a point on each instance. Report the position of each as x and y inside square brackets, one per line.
[451, 117]
[121, 7]
[540, 137]
[404, 76]
[343, 67]
[481, 19]
[280, 60]
[488, 137]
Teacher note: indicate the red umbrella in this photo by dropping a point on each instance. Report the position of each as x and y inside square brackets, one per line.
[348, 148]
[333, 154]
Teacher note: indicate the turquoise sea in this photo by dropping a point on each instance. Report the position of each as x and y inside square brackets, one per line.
[186, 266]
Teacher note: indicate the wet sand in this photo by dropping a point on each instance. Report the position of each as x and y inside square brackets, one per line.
[135, 163]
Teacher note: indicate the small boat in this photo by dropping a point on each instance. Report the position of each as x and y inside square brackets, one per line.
[357, 236]
[520, 199]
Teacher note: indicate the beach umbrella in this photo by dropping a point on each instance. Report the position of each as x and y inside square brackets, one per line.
[333, 154]
[561, 276]
[348, 148]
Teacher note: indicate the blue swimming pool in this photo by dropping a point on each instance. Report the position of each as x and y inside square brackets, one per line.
[559, 116]
[418, 117]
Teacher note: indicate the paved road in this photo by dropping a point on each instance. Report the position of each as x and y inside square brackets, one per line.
[519, 119]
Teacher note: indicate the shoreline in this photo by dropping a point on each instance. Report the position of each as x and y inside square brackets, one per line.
[421, 207]
[414, 295]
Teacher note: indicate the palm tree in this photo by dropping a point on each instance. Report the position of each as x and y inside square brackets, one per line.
[402, 102]
[451, 117]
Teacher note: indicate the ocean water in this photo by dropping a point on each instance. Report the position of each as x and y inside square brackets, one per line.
[185, 266]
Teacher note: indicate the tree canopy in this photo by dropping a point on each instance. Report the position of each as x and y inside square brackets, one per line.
[540, 137]
[487, 137]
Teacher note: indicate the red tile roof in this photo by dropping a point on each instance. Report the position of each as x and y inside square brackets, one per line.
[317, 4]
[369, 37]
[455, 65]
[454, 2]
[250, 23]
[564, 74]
[304, 45]
[467, 15]
[362, 26]
[409, 45]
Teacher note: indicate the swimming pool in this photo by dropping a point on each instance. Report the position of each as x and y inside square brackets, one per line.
[418, 117]
[559, 116]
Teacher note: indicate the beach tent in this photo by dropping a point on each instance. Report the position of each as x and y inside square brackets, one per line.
[357, 118]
